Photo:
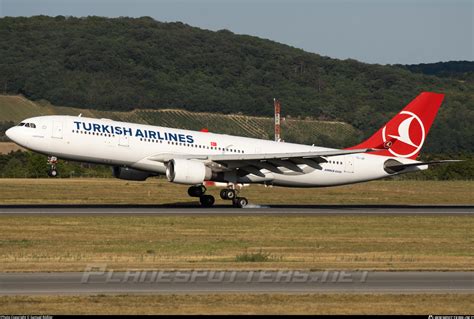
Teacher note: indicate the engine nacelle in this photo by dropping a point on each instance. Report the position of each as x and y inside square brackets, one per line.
[189, 172]
[130, 174]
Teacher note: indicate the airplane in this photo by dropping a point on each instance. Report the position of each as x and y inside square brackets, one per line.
[137, 151]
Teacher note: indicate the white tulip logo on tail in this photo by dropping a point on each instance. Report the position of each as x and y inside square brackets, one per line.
[408, 130]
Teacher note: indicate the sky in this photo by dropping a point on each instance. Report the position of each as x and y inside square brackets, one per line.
[383, 31]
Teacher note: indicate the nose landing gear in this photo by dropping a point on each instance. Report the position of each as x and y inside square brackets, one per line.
[199, 191]
[52, 171]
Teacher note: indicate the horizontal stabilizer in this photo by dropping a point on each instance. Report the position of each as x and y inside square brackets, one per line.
[393, 166]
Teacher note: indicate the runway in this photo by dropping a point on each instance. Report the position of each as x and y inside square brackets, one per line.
[98, 281]
[187, 209]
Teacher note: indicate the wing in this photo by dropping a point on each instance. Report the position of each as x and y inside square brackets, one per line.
[281, 163]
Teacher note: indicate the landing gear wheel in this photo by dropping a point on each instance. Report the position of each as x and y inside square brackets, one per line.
[52, 173]
[52, 161]
[230, 194]
[196, 191]
[223, 193]
[207, 200]
[240, 202]
[227, 194]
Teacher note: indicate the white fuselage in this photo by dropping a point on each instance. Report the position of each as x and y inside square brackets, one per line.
[119, 144]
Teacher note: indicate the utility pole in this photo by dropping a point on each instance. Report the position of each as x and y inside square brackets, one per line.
[276, 105]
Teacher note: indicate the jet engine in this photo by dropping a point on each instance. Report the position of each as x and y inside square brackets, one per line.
[130, 174]
[189, 172]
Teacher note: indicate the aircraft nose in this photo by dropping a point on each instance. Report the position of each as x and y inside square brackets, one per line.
[19, 135]
[9, 133]
[15, 135]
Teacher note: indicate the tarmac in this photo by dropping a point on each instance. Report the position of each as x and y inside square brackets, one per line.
[101, 281]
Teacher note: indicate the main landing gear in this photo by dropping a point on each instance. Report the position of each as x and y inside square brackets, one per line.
[198, 191]
[231, 194]
[52, 171]
[208, 200]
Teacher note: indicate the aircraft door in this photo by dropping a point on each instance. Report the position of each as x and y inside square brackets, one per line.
[123, 141]
[57, 129]
[349, 164]
[109, 140]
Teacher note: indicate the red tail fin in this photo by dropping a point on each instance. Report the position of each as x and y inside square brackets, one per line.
[404, 135]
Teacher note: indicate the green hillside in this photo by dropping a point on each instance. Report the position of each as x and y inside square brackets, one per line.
[123, 64]
[461, 70]
[16, 108]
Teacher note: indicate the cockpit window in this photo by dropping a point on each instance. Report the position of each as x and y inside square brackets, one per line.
[32, 125]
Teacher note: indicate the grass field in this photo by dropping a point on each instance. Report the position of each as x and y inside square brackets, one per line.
[60, 243]
[159, 191]
[421, 304]
[70, 243]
